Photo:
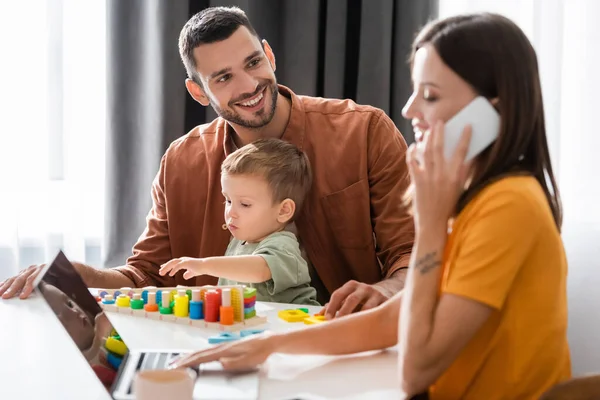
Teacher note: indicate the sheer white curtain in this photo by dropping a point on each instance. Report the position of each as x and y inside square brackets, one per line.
[52, 131]
[566, 36]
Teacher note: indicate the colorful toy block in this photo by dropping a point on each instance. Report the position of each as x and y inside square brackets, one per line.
[293, 315]
[223, 337]
[115, 345]
[315, 319]
[224, 308]
[249, 332]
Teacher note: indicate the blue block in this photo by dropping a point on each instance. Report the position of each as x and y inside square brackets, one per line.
[114, 360]
[145, 296]
[102, 293]
[223, 337]
[159, 297]
[248, 332]
[117, 293]
[196, 311]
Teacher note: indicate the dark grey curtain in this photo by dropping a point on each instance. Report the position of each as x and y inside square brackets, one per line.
[353, 49]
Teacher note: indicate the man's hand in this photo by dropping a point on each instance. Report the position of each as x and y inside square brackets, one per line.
[22, 283]
[353, 296]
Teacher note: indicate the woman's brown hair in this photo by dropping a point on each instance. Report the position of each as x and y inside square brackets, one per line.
[493, 55]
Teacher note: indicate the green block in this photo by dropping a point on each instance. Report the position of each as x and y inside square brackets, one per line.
[189, 294]
[250, 314]
[164, 310]
[303, 309]
[137, 304]
[249, 292]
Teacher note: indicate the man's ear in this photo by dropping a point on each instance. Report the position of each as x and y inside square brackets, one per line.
[269, 52]
[197, 92]
[287, 208]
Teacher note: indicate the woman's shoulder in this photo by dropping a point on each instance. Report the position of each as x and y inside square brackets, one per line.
[523, 193]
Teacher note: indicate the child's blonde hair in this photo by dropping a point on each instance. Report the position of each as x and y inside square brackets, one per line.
[285, 168]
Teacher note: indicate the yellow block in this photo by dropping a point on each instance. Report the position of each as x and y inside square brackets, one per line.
[182, 306]
[115, 346]
[238, 304]
[123, 300]
[315, 319]
[292, 315]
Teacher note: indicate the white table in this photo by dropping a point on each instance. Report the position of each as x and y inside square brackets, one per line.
[38, 359]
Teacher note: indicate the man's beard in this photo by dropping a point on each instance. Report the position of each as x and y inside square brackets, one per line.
[265, 115]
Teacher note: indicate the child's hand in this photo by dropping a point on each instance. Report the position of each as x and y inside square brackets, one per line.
[193, 267]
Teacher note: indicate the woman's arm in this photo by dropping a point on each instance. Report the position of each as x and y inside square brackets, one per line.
[432, 332]
[368, 330]
[433, 329]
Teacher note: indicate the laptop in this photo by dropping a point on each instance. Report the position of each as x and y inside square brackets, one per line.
[87, 325]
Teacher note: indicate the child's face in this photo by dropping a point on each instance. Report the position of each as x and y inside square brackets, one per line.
[76, 321]
[250, 213]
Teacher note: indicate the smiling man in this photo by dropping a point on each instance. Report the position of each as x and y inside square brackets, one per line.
[354, 229]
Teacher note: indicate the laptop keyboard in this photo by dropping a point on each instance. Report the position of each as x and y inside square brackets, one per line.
[212, 383]
[152, 361]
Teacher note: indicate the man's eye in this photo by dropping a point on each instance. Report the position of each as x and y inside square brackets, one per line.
[224, 78]
[254, 62]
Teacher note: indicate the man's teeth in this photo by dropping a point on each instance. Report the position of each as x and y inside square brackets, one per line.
[253, 102]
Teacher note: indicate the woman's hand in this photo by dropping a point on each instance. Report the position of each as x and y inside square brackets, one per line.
[438, 182]
[244, 354]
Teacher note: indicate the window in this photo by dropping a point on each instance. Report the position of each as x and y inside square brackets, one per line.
[53, 129]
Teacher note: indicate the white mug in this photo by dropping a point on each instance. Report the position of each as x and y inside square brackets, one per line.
[164, 384]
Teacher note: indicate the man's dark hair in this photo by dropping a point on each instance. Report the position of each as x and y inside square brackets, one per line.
[210, 25]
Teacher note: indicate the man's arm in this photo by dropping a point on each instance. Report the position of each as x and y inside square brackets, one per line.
[395, 283]
[393, 224]
[22, 284]
[102, 278]
[153, 248]
[389, 181]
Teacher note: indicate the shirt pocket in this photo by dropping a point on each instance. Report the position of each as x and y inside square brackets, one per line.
[348, 213]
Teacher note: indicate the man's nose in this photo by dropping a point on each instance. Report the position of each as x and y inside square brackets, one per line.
[248, 83]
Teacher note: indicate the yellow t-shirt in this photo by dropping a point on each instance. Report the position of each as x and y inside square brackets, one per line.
[505, 251]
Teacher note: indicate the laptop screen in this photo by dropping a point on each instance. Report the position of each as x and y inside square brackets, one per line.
[78, 311]
[88, 326]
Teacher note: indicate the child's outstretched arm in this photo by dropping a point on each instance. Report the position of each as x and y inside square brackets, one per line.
[250, 269]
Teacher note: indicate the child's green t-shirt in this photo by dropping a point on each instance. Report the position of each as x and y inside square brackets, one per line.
[290, 279]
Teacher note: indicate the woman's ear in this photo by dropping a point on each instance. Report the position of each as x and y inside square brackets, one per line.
[287, 208]
[495, 101]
